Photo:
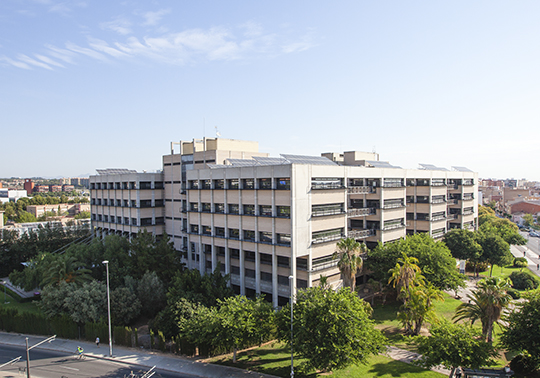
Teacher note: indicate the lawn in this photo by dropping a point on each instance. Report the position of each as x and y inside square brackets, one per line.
[275, 359]
[22, 307]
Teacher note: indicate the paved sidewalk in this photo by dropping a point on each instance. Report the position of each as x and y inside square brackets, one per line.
[409, 357]
[16, 289]
[133, 356]
[532, 257]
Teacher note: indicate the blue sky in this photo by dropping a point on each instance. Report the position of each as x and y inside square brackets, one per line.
[98, 84]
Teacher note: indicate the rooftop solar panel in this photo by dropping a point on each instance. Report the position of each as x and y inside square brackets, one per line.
[242, 162]
[115, 171]
[269, 160]
[381, 164]
[431, 167]
[301, 159]
[461, 169]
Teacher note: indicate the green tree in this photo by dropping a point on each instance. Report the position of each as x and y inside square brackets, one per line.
[488, 303]
[332, 330]
[125, 306]
[239, 321]
[463, 245]
[83, 215]
[454, 345]
[528, 220]
[25, 217]
[65, 268]
[350, 262]
[87, 303]
[419, 307]
[151, 294]
[434, 259]
[494, 250]
[523, 325]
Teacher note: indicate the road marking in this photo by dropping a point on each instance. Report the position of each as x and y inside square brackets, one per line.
[70, 368]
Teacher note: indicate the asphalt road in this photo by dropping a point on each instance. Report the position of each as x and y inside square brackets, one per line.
[52, 364]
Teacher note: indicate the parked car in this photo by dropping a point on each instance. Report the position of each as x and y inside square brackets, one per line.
[535, 234]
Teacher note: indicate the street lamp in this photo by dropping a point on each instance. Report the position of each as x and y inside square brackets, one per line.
[106, 262]
[291, 278]
[32, 347]
[4, 284]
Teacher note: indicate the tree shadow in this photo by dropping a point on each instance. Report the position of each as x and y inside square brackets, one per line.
[394, 369]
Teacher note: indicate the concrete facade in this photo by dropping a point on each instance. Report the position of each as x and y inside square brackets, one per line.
[265, 219]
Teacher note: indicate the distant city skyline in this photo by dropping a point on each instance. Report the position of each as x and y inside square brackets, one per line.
[89, 85]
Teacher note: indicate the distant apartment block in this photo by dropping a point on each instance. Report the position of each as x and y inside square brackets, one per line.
[267, 218]
[11, 195]
[70, 209]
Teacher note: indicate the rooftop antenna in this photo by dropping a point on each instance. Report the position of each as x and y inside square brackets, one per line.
[204, 126]
[217, 132]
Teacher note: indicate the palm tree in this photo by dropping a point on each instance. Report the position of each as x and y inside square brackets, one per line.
[487, 304]
[350, 262]
[406, 278]
[65, 268]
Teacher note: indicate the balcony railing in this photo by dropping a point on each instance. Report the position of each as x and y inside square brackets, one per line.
[329, 238]
[393, 206]
[361, 212]
[393, 227]
[360, 233]
[360, 190]
[438, 218]
[322, 213]
[324, 265]
[315, 186]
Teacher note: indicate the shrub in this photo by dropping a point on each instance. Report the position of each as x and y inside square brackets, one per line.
[480, 267]
[524, 366]
[520, 262]
[515, 294]
[523, 281]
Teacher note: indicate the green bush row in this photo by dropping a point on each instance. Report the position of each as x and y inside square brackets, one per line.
[11, 320]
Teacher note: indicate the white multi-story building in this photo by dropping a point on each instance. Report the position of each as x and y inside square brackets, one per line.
[265, 219]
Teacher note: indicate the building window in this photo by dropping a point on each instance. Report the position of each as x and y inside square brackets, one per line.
[235, 270]
[249, 256]
[438, 182]
[266, 259]
[220, 251]
[133, 221]
[438, 199]
[283, 184]
[330, 209]
[126, 221]
[206, 230]
[158, 203]
[283, 280]
[219, 184]
[193, 206]
[284, 211]
[422, 182]
[283, 261]
[396, 223]
[284, 239]
[301, 263]
[265, 237]
[235, 253]
[220, 232]
[233, 184]
[410, 216]
[145, 185]
[326, 183]
[265, 183]
[234, 233]
[265, 276]
[234, 208]
[327, 235]
[422, 199]
[206, 207]
[249, 235]
[265, 210]
[206, 184]
[250, 273]
[393, 182]
[219, 208]
[145, 203]
[248, 184]
[112, 219]
[146, 221]
[194, 184]
[194, 228]
[105, 218]
[419, 216]
[249, 209]
[393, 203]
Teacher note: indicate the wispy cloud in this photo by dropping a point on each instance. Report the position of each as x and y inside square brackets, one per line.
[152, 18]
[120, 25]
[245, 42]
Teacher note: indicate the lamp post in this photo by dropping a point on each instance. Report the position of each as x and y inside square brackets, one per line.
[291, 278]
[4, 284]
[106, 262]
[32, 347]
